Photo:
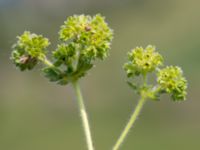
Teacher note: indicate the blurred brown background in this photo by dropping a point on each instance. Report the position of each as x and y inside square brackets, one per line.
[38, 115]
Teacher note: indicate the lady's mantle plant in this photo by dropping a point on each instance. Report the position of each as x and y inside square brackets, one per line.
[170, 80]
[83, 39]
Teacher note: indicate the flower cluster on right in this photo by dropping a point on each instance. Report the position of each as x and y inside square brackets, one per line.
[170, 79]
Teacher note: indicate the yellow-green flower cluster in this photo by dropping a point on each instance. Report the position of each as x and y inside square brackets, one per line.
[83, 39]
[91, 36]
[28, 50]
[171, 80]
[142, 61]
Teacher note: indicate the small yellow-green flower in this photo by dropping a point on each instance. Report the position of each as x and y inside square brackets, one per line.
[91, 36]
[171, 80]
[142, 60]
[28, 50]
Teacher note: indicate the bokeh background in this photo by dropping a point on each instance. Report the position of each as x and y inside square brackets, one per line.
[38, 115]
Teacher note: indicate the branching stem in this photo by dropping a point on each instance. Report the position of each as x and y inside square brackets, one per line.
[47, 62]
[134, 116]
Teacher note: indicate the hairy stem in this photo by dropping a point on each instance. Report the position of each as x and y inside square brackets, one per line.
[84, 117]
[130, 123]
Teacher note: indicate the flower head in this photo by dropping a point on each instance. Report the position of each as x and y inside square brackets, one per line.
[28, 50]
[142, 61]
[83, 40]
[171, 80]
[91, 36]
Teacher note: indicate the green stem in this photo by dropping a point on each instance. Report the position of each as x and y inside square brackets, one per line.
[47, 62]
[145, 80]
[130, 123]
[84, 117]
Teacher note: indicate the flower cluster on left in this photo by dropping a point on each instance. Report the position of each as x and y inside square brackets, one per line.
[29, 49]
[83, 39]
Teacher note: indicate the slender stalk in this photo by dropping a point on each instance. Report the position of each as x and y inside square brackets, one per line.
[130, 123]
[82, 109]
[47, 62]
[84, 117]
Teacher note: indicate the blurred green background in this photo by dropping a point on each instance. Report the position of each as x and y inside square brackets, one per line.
[38, 115]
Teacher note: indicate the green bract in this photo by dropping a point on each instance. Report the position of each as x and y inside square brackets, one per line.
[142, 61]
[171, 80]
[28, 50]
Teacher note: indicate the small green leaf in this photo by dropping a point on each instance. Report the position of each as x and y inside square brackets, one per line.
[132, 85]
[52, 73]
